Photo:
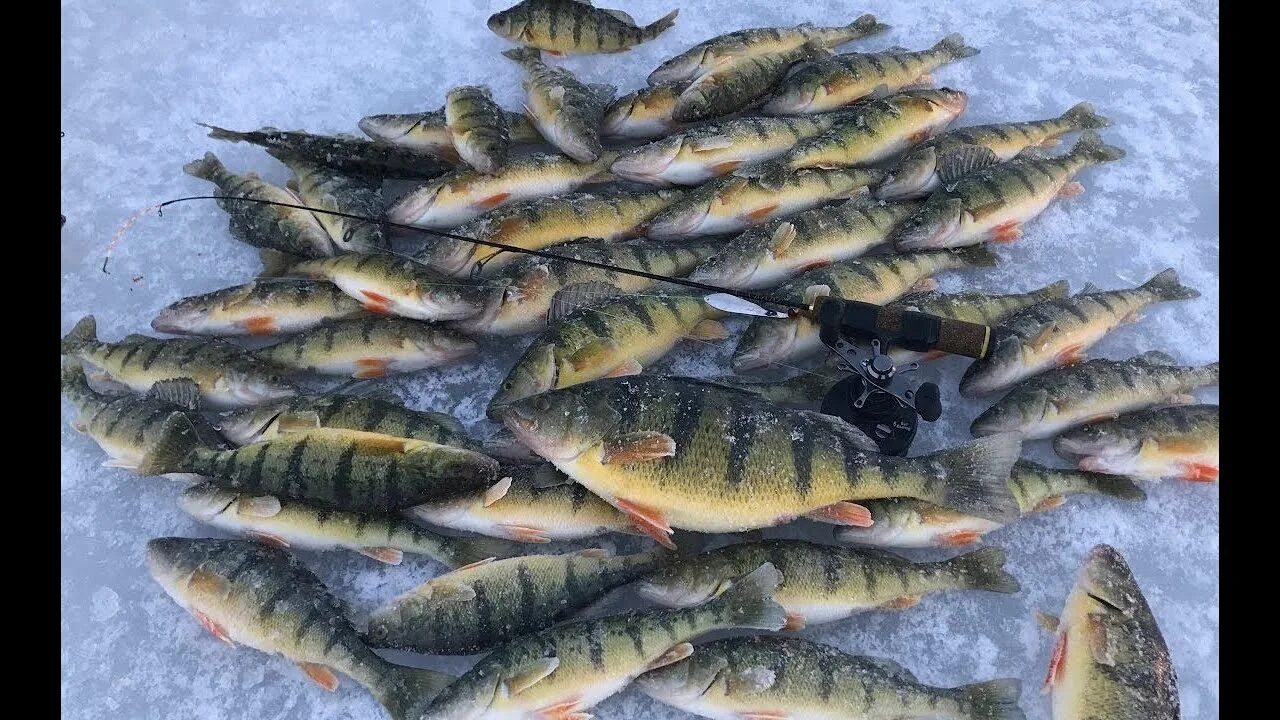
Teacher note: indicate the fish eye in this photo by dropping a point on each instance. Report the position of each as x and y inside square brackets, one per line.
[508, 385]
[542, 404]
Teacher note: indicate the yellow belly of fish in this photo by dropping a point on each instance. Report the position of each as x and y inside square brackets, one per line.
[643, 350]
[1015, 212]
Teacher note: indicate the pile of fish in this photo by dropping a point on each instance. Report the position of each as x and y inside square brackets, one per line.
[759, 160]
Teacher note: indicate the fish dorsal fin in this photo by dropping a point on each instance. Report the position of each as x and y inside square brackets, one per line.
[621, 16]
[1089, 289]
[1032, 152]
[579, 295]
[1156, 357]
[963, 160]
[136, 337]
[183, 392]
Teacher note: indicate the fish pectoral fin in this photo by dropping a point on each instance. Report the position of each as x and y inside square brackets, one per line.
[376, 303]
[1070, 355]
[1044, 337]
[497, 491]
[639, 446]
[1100, 648]
[258, 325]
[492, 201]
[762, 213]
[1047, 621]
[442, 589]
[321, 674]
[630, 367]
[388, 555]
[671, 657]
[299, 421]
[959, 538]
[371, 367]
[214, 628]
[1057, 662]
[1199, 472]
[982, 211]
[531, 674]
[843, 513]
[566, 710]
[902, 603]
[765, 715]
[711, 142]
[1071, 189]
[1005, 233]
[1049, 503]
[725, 168]
[120, 463]
[783, 236]
[267, 538]
[591, 354]
[795, 622]
[648, 521]
[524, 533]
[708, 329]
[262, 506]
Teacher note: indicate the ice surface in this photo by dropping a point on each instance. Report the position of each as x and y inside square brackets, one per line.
[137, 75]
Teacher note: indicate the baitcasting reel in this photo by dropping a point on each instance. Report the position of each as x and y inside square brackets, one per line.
[875, 397]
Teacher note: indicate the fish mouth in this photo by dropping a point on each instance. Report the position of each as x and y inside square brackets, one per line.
[413, 207]
[616, 118]
[483, 322]
[953, 100]
[676, 225]
[645, 163]
[764, 345]
[931, 227]
[736, 277]
[910, 177]
[521, 424]
[172, 321]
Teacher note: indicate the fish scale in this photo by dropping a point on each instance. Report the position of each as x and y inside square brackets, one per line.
[822, 583]
[707, 151]
[541, 223]
[528, 593]
[758, 41]
[268, 307]
[369, 347]
[618, 335]
[658, 449]
[426, 132]
[566, 112]
[780, 677]
[346, 154]
[341, 469]
[875, 279]
[477, 127]
[736, 82]
[389, 284]
[564, 27]
[570, 668]
[1178, 441]
[1043, 405]
[350, 412]
[265, 598]
[831, 82]
[318, 186]
[1058, 331]
[907, 523]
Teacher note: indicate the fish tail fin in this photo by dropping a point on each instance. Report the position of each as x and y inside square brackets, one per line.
[749, 603]
[406, 691]
[276, 263]
[978, 256]
[1165, 285]
[1054, 290]
[993, 700]
[523, 54]
[867, 25]
[218, 133]
[206, 168]
[84, 333]
[953, 45]
[659, 26]
[1116, 486]
[1091, 147]
[976, 477]
[75, 385]
[176, 440]
[1083, 116]
[984, 570]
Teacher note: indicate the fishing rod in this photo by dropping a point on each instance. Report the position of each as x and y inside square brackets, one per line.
[873, 397]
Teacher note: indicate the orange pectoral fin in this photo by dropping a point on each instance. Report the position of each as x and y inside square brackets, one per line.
[258, 325]
[524, 534]
[323, 676]
[814, 265]
[214, 628]
[1200, 472]
[1057, 662]
[725, 168]
[376, 302]
[843, 513]
[902, 603]
[372, 368]
[959, 538]
[268, 539]
[1049, 503]
[1070, 355]
[761, 213]
[566, 710]
[1071, 189]
[388, 555]
[1005, 233]
[648, 521]
[795, 622]
[492, 201]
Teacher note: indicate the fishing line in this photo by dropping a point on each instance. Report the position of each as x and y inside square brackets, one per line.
[159, 208]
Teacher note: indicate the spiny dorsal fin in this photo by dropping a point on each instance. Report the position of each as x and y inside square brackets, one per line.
[963, 160]
[183, 392]
[578, 295]
[620, 15]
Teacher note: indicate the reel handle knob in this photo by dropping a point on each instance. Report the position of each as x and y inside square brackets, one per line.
[928, 401]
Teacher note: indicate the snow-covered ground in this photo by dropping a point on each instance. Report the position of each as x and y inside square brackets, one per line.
[137, 75]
